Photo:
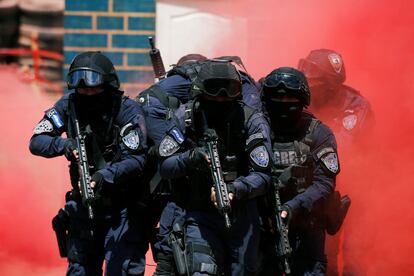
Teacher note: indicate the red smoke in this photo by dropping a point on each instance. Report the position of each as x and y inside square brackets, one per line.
[376, 40]
[32, 188]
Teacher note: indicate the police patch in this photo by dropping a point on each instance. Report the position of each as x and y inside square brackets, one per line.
[168, 146]
[131, 140]
[43, 126]
[336, 62]
[54, 116]
[260, 156]
[349, 121]
[330, 161]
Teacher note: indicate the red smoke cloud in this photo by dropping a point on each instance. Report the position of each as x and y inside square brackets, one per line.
[376, 40]
[32, 188]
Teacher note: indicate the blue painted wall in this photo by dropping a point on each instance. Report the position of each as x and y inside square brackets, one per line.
[117, 28]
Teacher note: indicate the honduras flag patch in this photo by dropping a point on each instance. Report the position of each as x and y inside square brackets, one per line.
[178, 136]
[54, 116]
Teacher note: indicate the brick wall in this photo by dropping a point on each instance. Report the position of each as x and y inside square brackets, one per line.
[117, 28]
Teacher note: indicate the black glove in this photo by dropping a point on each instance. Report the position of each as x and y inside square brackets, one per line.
[99, 180]
[70, 146]
[289, 210]
[210, 134]
[197, 159]
[231, 188]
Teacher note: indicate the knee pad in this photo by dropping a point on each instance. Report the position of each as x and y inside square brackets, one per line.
[201, 259]
[165, 265]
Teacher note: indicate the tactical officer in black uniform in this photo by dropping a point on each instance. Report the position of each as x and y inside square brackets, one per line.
[159, 102]
[341, 107]
[306, 165]
[112, 132]
[218, 241]
[350, 116]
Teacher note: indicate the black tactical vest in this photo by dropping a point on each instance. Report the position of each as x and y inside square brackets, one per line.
[293, 163]
[101, 136]
[231, 147]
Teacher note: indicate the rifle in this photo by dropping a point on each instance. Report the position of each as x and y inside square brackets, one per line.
[283, 249]
[84, 175]
[156, 60]
[222, 195]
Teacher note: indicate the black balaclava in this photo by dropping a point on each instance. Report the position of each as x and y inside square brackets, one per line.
[94, 105]
[216, 112]
[284, 115]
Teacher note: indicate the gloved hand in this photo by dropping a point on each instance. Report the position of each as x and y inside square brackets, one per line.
[97, 181]
[287, 213]
[230, 189]
[71, 152]
[198, 159]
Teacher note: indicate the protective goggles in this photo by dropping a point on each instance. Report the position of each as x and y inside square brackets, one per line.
[310, 69]
[89, 77]
[290, 81]
[222, 87]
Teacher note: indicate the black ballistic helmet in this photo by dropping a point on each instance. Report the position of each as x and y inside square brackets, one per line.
[93, 69]
[218, 78]
[286, 81]
[190, 58]
[323, 64]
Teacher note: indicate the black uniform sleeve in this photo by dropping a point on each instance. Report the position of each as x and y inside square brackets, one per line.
[325, 157]
[258, 148]
[132, 144]
[46, 140]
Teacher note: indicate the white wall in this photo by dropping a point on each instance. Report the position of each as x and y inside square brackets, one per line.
[185, 27]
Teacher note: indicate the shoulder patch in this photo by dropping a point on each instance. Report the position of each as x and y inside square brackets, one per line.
[54, 116]
[324, 151]
[130, 136]
[336, 62]
[349, 121]
[330, 161]
[131, 139]
[43, 126]
[178, 136]
[168, 146]
[260, 156]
